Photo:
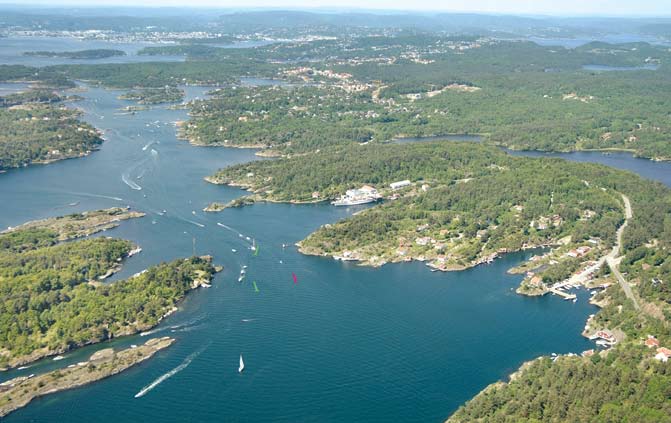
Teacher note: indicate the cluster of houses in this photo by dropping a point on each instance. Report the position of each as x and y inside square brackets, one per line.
[663, 354]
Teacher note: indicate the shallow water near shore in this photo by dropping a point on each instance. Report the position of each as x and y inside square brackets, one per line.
[344, 343]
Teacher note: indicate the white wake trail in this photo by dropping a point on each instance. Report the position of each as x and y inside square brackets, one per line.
[170, 374]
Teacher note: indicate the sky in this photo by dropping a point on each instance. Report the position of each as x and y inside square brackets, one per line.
[542, 7]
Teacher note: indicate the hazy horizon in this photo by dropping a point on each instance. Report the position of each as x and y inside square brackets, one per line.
[567, 8]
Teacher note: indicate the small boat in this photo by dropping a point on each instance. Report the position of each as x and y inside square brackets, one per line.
[241, 278]
[242, 365]
[244, 266]
[58, 358]
[234, 250]
[575, 300]
[76, 203]
[193, 212]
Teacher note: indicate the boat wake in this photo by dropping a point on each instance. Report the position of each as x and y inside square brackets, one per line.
[188, 328]
[191, 322]
[151, 332]
[149, 144]
[130, 183]
[195, 223]
[87, 194]
[171, 373]
[235, 231]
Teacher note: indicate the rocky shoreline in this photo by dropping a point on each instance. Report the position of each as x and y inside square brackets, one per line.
[18, 392]
[79, 225]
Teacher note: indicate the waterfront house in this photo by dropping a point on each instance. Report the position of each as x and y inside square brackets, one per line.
[605, 337]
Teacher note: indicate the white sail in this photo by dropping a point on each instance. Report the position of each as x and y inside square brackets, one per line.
[242, 365]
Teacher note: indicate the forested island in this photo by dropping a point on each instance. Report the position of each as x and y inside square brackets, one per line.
[81, 54]
[53, 297]
[155, 95]
[36, 128]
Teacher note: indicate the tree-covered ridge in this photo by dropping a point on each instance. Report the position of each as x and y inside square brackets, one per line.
[468, 202]
[52, 300]
[35, 133]
[333, 171]
[533, 202]
[165, 94]
[81, 54]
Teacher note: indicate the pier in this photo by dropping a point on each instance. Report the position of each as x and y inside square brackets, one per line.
[563, 294]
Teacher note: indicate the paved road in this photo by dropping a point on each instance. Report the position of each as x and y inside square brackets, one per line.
[612, 258]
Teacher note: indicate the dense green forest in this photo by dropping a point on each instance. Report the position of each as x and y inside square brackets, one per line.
[52, 302]
[37, 133]
[41, 96]
[520, 95]
[626, 385]
[81, 54]
[464, 210]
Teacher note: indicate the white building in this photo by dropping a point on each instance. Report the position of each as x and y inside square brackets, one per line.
[400, 184]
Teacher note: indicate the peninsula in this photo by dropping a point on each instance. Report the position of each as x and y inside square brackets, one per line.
[18, 392]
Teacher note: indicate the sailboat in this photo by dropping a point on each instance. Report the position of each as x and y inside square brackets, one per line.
[242, 365]
[256, 288]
